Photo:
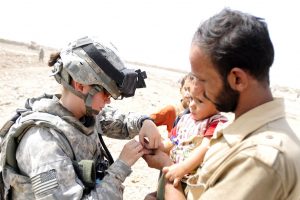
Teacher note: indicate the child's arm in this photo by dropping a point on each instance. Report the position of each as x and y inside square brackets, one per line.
[167, 144]
[175, 172]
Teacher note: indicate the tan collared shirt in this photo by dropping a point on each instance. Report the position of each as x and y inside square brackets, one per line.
[255, 157]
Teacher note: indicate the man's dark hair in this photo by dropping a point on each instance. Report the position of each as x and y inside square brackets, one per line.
[235, 39]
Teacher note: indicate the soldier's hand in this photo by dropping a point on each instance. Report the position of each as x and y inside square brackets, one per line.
[150, 131]
[131, 152]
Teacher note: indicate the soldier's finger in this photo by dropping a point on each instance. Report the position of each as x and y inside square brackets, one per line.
[151, 143]
[138, 148]
[142, 139]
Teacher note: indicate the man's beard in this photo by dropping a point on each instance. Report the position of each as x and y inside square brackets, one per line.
[227, 99]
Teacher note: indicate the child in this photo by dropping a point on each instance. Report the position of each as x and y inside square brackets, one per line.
[171, 113]
[189, 139]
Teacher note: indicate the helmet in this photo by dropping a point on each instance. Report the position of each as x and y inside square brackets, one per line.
[91, 62]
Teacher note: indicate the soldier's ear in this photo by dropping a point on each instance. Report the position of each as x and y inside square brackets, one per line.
[77, 86]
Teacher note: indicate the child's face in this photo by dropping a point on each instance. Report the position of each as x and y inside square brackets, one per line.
[199, 106]
[185, 92]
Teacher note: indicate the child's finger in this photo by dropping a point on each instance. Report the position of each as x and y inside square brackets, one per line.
[167, 175]
[171, 178]
[176, 182]
[165, 170]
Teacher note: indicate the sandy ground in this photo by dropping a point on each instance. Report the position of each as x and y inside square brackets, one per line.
[22, 76]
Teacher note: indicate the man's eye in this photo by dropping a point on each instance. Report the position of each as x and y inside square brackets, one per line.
[201, 80]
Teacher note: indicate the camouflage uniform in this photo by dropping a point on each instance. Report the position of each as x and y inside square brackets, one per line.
[46, 162]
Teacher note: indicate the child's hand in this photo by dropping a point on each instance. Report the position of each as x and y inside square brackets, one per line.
[174, 173]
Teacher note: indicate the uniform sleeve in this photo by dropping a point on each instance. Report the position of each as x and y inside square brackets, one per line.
[245, 178]
[52, 173]
[115, 124]
[111, 186]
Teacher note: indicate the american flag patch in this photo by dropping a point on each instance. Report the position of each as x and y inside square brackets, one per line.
[44, 182]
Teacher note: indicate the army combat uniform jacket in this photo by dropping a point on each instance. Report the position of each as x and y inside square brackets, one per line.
[46, 163]
[255, 157]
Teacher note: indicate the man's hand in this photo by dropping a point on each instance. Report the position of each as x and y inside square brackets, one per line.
[158, 159]
[150, 131]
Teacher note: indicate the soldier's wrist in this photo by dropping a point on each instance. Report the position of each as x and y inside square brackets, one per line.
[144, 118]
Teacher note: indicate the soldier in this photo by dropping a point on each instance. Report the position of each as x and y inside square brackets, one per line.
[62, 155]
[257, 155]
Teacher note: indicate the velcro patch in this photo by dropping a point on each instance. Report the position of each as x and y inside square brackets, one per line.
[44, 182]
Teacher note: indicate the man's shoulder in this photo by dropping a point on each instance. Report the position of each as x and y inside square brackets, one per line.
[264, 147]
[294, 125]
[275, 148]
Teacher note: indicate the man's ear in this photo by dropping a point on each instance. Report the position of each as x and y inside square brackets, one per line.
[77, 86]
[238, 79]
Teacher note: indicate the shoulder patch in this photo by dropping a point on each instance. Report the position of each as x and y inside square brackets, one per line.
[44, 182]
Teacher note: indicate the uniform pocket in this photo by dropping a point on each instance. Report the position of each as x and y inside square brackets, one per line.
[18, 185]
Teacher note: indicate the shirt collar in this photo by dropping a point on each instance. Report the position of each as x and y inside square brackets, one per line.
[253, 119]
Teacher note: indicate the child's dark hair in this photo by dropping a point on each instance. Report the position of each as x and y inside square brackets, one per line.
[187, 76]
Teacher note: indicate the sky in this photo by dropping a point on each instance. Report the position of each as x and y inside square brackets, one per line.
[156, 32]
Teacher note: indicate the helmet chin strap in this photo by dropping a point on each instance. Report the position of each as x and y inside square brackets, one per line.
[89, 99]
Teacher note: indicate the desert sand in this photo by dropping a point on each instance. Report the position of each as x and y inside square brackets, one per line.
[23, 76]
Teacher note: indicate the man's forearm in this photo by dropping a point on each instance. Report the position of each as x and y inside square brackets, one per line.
[172, 193]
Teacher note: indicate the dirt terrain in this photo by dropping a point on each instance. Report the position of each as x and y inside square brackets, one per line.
[23, 76]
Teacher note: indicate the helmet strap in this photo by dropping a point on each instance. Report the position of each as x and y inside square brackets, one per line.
[63, 78]
[89, 99]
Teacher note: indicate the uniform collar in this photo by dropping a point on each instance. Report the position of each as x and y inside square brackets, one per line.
[253, 119]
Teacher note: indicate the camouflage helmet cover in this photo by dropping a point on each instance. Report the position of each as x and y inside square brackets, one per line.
[83, 69]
